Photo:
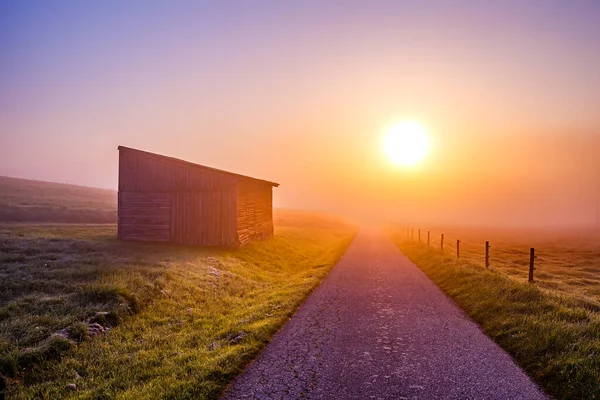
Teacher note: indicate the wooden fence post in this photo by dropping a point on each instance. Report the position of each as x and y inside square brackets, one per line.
[487, 254]
[442, 243]
[457, 248]
[428, 234]
[531, 264]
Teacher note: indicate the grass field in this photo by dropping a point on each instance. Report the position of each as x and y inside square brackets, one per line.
[83, 315]
[567, 261]
[551, 328]
[23, 200]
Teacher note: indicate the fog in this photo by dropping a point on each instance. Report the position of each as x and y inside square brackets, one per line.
[302, 95]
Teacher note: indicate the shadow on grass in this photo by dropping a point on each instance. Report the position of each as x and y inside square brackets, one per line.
[58, 280]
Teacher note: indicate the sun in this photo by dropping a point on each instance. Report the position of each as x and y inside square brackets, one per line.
[406, 143]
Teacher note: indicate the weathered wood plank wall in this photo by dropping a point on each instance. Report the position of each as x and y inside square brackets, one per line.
[165, 199]
[204, 218]
[141, 172]
[254, 211]
[144, 216]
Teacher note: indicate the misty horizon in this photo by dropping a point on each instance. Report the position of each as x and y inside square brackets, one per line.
[302, 95]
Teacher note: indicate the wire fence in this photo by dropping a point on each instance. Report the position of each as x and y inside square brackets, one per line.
[510, 262]
[488, 255]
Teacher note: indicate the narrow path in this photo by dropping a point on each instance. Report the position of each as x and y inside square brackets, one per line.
[378, 328]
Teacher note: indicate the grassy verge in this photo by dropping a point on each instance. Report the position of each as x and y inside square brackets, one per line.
[24, 200]
[556, 339]
[182, 321]
[567, 261]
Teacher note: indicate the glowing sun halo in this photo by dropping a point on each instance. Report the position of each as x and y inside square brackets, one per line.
[406, 143]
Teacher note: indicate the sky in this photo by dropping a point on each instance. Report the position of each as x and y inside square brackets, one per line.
[301, 93]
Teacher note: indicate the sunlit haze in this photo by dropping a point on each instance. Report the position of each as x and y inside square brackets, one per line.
[304, 94]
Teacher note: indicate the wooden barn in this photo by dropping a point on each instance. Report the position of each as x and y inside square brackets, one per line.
[165, 199]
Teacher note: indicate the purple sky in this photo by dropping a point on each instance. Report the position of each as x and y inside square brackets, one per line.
[299, 92]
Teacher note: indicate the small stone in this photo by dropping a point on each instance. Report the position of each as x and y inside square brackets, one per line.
[96, 329]
[234, 339]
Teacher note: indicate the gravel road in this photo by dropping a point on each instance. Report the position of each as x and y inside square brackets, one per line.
[378, 328]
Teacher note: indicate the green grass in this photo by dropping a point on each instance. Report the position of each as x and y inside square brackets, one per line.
[553, 336]
[568, 261]
[182, 321]
[24, 200]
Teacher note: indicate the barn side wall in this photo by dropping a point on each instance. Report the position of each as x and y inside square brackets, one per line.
[144, 216]
[161, 200]
[141, 172]
[254, 211]
[204, 218]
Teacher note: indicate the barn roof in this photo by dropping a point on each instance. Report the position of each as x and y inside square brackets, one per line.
[193, 165]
